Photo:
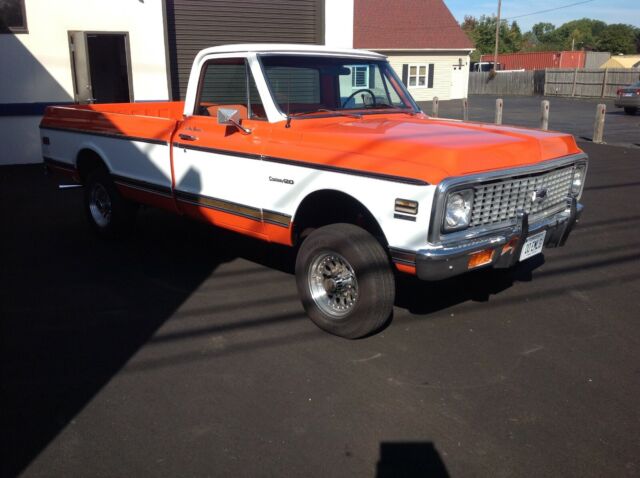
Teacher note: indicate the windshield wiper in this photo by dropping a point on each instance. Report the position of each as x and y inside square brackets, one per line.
[321, 110]
[341, 113]
[408, 111]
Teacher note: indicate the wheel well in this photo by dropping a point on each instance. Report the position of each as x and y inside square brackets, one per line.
[325, 207]
[88, 161]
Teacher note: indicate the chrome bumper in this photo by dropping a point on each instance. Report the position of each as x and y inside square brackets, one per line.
[453, 259]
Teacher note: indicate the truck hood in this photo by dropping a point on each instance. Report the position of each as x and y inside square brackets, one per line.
[425, 148]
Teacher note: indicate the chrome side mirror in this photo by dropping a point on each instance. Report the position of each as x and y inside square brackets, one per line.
[231, 117]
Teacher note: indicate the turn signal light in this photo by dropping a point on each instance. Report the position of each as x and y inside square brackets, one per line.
[406, 206]
[481, 258]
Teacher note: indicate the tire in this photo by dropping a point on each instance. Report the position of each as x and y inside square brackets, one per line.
[108, 213]
[345, 280]
[630, 110]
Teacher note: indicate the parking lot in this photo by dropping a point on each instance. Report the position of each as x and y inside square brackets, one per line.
[571, 115]
[183, 351]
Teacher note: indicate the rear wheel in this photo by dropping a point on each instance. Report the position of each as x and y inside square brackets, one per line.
[108, 213]
[345, 280]
[630, 110]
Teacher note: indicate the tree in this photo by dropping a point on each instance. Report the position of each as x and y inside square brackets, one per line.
[513, 38]
[482, 32]
[619, 38]
[543, 32]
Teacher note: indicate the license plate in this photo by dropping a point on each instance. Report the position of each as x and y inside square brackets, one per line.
[533, 245]
[627, 94]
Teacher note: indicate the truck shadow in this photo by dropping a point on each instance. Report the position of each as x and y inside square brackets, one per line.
[76, 309]
[421, 297]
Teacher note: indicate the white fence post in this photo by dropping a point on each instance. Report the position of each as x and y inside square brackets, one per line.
[544, 116]
[499, 104]
[598, 125]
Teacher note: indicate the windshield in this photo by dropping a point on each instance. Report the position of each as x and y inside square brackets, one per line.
[321, 84]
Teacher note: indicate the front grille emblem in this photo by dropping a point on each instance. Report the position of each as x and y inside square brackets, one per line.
[539, 195]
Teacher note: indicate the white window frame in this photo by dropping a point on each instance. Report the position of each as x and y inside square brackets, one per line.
[353, 77]
[418, 75]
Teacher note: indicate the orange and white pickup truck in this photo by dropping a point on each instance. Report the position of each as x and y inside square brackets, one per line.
[324, 150]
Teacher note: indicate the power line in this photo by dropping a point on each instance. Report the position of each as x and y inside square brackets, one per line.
[550, 9]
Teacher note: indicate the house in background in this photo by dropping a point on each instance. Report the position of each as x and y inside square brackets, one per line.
[423, 41]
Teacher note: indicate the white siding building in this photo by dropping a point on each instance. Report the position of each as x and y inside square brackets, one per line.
[423, 41]
[121, 41]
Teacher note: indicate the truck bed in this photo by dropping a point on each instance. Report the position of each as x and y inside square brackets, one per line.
[144, 121]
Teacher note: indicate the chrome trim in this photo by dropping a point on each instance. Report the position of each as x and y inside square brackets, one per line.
[448, 261]
[447, 185]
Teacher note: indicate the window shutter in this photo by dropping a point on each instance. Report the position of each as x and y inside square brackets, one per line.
[405, 74]
[430, 78]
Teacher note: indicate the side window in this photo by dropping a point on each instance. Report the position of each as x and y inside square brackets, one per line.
[360, 76]
[418, 76]
[228, 83]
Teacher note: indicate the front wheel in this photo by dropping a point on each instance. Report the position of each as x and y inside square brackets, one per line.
[345, 280]
[108, 213]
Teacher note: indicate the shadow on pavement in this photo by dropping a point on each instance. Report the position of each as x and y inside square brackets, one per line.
[421, 297]
[410, 460]
[74, 309]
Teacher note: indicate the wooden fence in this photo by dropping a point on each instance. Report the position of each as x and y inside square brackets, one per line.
[507, 83]
[592, 83]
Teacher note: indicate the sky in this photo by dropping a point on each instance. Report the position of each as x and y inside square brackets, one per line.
[609, 11]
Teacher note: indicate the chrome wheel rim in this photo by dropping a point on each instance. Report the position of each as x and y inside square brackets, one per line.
[333, 285]
[100, 205]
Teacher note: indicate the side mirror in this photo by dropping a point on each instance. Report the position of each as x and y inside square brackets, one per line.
[231, 117]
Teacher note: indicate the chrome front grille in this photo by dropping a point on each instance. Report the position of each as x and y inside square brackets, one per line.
[499, 201]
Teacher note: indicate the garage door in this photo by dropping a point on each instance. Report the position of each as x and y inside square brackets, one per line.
[196, 24]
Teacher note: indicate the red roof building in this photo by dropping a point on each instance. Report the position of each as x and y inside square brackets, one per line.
[423, 41]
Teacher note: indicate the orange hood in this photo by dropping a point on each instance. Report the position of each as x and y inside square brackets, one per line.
[419, 147]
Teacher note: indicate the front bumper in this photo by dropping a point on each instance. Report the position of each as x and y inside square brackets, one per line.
[453, 259]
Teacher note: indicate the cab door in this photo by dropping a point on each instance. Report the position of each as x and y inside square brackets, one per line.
[217, 167]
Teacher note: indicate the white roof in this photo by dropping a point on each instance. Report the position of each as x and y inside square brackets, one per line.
[288, 48]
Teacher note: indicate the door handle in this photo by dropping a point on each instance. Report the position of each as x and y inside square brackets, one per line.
[187, 137]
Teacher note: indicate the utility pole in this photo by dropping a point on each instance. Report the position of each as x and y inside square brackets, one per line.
[495, 55]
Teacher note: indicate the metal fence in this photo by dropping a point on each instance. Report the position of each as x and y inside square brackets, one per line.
[529, 82]
[592, 83]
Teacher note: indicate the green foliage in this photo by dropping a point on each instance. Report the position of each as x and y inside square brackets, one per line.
[482, 32]
[582, 34]
[619, 38]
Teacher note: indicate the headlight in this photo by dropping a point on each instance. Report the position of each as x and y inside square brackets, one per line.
[458, 212]
[578, 179]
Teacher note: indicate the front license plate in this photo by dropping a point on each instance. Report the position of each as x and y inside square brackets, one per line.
[533, 245]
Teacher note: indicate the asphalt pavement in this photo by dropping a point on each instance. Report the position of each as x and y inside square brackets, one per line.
[184, 351]
[571, 115]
